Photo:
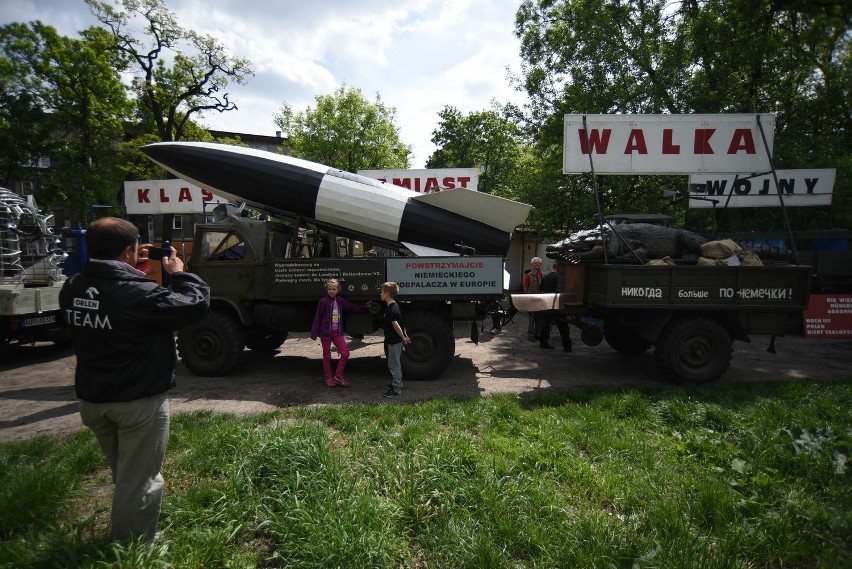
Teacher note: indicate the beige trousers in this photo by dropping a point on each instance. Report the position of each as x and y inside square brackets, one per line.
[133, 435]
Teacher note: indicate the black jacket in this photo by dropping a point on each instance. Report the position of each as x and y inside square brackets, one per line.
[122, 329]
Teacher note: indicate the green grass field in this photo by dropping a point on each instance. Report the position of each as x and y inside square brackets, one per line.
[746, 475]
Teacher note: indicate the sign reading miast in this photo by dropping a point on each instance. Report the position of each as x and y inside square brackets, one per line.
[668, 144]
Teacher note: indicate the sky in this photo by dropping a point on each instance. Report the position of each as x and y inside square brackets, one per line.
[418, 55]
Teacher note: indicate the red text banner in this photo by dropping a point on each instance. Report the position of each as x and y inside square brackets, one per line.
[667, 144]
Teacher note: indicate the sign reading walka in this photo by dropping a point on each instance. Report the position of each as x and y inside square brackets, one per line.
[667, 144]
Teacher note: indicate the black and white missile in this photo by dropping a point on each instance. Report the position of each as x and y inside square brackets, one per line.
[444, 223]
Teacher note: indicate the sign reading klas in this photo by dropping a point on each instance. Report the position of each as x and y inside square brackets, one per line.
[166, 196]
[667, 144]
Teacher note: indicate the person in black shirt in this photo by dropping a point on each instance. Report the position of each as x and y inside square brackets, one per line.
[552, 318]
[122, 333]
[395, 337]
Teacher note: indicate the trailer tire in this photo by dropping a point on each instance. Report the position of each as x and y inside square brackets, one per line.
[694, 350]
[211, 346]
[432, 346]
[264, 341]
[624, 342]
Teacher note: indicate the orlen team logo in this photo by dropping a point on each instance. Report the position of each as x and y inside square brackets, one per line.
[89, 303]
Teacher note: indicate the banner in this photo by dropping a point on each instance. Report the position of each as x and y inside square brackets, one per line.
[167, 196]
[799, 188]
[667, 144]
[429, 180]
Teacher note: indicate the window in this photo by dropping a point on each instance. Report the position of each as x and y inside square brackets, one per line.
[177, 222]
[223, 246]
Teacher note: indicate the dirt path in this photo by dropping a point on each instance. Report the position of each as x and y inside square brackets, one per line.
[37, 393]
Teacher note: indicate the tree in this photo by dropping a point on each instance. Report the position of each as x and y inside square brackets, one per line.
[170, 96]
[68, 94]
[345, 131]
[652, 56]
[488, 140]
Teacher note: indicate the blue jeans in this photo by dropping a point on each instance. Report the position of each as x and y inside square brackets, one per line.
[394, 365]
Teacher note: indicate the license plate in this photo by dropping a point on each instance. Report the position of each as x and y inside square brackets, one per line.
[40, 321]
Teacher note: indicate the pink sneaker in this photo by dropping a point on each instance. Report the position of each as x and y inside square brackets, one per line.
[330, 382]
[341, 381]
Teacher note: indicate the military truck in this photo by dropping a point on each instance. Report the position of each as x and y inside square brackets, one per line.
[688, 311]
[30, 275]
[266, 278]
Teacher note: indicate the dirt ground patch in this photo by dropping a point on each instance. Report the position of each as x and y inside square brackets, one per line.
[37, 383]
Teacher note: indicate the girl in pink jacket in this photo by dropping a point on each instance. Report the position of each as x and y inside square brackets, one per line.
[328, 327]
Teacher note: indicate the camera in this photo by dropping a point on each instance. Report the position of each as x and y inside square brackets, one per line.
[157, 253]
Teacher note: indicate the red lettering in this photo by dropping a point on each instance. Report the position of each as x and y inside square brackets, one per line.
[463, 180]
[702, 140]
[449, 183]
[163, 197]
[206, 195]
[636, 142]
[184, 195]
[417, 185]
[668, 146]
[402, 182]
[142, 195]
[742, 140]
[595, 140]
[431, 185]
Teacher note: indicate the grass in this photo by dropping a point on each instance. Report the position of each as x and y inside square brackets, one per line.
[739, 476]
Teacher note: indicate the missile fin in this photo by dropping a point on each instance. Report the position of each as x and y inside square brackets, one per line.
[422, 251]
[491, 210]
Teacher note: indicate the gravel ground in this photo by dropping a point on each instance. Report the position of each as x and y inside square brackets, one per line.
[37, 383]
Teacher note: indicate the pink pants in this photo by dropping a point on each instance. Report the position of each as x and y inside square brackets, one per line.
[342, 349]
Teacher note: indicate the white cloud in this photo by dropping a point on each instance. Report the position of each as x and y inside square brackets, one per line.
[419, 55]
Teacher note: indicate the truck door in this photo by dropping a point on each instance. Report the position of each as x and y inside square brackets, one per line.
[226, 261]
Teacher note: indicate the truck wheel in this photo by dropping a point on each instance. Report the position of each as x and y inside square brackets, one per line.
[624, 342]
[432, 346]
[211, 346]
[694, 350]
[265, 341]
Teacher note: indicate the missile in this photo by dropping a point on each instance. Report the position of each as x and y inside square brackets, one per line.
[444, 223]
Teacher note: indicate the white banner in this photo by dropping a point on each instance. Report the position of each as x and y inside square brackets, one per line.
[667, 144]
[426, 181]
[167, 196]
[798, 188]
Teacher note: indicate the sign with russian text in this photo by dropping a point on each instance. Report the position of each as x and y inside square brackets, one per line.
[667, 144]
[166, 196]
[799, 188]
[428, 180]
[446, 275]
[829, 316]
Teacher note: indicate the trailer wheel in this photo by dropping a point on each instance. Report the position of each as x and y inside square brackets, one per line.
[623, 341]
[211, 346]
[264, 341]
[694, 350]
[432, 346]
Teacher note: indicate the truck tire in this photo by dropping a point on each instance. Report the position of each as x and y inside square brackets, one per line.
[432, 346]
[264, 341]
[625, 342]
[694, 350]
[211, 346]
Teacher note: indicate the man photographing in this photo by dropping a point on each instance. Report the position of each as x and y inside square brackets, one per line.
[122, 331]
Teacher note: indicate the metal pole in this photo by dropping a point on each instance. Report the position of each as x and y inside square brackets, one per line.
[778, 191]
[595, 187]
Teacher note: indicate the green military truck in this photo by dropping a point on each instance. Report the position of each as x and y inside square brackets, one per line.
[689, 314]
[266, 278]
